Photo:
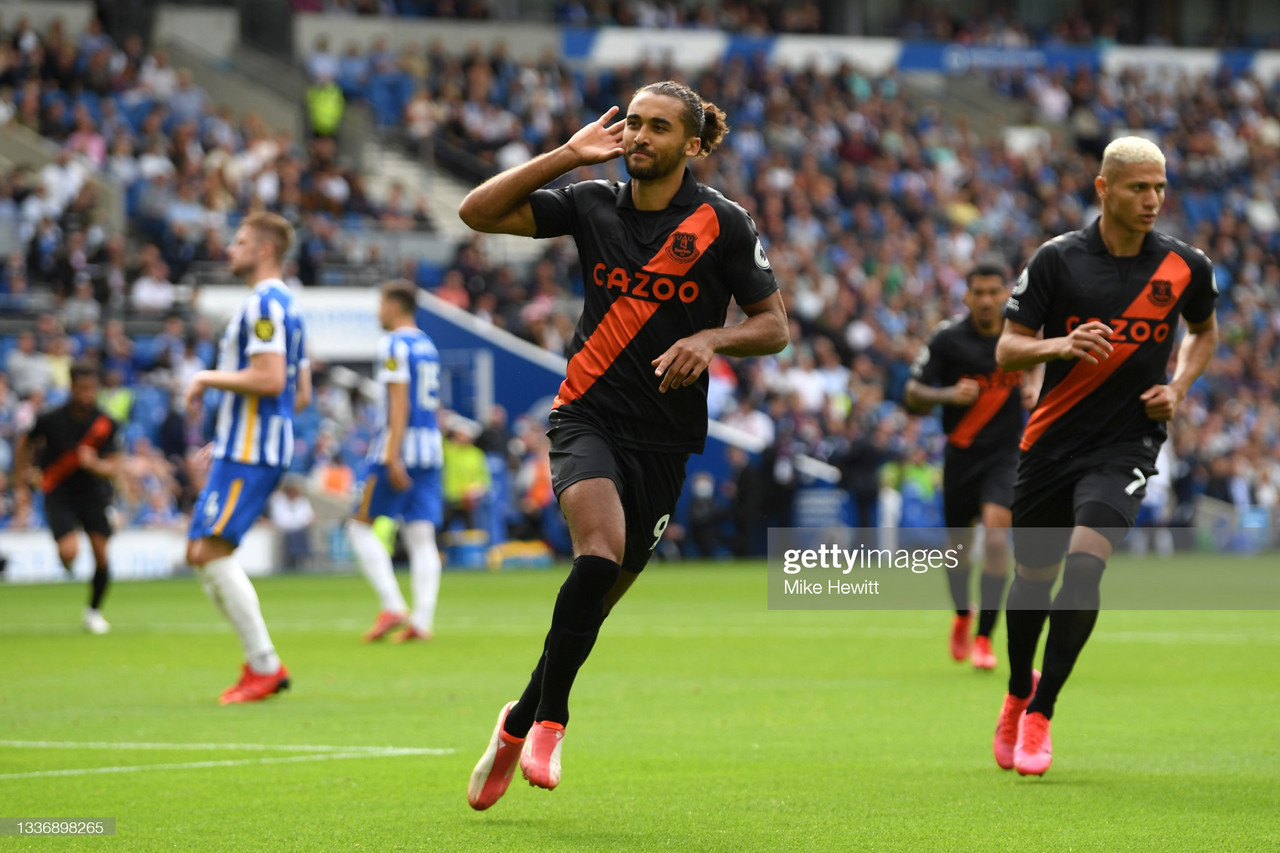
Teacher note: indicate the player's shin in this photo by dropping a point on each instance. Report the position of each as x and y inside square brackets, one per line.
[575, 623]
[1075, 612]
[98, 586]
[1027, 607]
[520, 718]
[424, 569]
[991, 592]
[958, 583]
[375, 564]
[240, 604]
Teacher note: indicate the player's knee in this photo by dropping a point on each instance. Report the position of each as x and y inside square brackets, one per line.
[68, 549]
[1038, 574]
[1108, 521]
[597, 537]
[996, 541]
[602, 544]
[1081, 583]
[996, 517]
[200, 552]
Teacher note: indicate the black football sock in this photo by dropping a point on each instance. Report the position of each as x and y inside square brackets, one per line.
[101, 579]
[992, 590]
[958, 581]
[1075, 612]
[520, 718]
[575, 623]
[1025, 611]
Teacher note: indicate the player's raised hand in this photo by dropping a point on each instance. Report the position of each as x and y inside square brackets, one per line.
[965, 392]
[1087, 342]
[598, 141]
[684, 361]
[1160, 401]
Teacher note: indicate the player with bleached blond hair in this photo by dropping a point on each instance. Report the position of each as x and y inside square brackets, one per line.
[1099, 308]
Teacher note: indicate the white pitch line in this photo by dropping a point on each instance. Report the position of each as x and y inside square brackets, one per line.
[198, 628]
[196, 765]
[200, 747]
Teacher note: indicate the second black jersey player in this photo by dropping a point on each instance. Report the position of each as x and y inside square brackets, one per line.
[982, 415]
[76, 448]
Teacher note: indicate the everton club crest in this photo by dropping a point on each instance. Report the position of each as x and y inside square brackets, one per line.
[683, 248]
[1161, 292]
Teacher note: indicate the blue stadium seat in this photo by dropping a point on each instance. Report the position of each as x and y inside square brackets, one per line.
[136, 112]
[498, 503]
[93, 103]
[428, 275]
[388, 93]
[133, 197]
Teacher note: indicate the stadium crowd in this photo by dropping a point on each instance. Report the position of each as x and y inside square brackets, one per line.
[1077, 24]
[872, 208]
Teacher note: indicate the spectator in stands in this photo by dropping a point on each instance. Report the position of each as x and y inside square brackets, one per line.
[706, 515]
[316, 246]
[495, 437]
[43, 249]
[331, 473]
[70, 264]
[118, 351]
[157, 76]
[153, 294]
[531, 487]
[60, 357]
[28, 368]
[167, 348]
[322, 62]
[860, 464]
[292, 514]
[82, 307]
[423, 117]
[159, 510]
[188, 101]
[86, 140]
[466, 476]
[1228, 484]
[397, 210]
[325, 107]
[23, 514]
[115, 398]
[745, 491]
[8, 416]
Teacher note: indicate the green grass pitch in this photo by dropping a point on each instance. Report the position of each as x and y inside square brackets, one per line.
[703, 721]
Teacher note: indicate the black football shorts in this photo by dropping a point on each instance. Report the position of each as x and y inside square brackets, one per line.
[970, 480]
[1050, 493]
[648, 483]
[66, 510]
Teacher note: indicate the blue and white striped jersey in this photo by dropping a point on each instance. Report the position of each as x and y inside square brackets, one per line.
[259, 430]
[407, 356]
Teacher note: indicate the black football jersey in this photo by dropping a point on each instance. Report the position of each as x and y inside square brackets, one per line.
[957, 351]
[57, 435]
[1073, 279]
[652, 278]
